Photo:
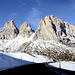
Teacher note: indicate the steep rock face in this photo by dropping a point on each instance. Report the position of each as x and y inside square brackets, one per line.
[70, 30]
[25, 30]
[9, 31]
[53, 28]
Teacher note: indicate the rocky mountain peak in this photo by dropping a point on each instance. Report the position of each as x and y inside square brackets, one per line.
[49, 28]
[9, 31]
[49, 17]
[51, 35]
[53, 28]
[25, 30]
[24, 27]
[10, 24]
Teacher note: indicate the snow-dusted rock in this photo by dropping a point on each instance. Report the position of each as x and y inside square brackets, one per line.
[51, 35]
[9, 31]
[25, 30]
[53, 28]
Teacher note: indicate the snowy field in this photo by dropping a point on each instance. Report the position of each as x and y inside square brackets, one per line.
[11, 60]
[67, 65]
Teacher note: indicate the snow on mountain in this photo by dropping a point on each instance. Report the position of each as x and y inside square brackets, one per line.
[46, 40]
[11, 45]
[52, 35]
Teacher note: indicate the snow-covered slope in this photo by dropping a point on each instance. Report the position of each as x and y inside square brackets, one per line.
[13, 45]
[67, 65]
[11, 60]
[39, 46]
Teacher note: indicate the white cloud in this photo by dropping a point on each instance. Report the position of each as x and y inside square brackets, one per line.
[73, 3]
[35, 12]
[21, 3]
[38, 2]
[12, 15]
[34, 17]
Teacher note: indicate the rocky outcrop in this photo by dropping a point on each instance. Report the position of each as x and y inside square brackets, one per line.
[50, 28]
[9, 31]
[70, 29]
[46, 40]
[53, 28]
[25, 30]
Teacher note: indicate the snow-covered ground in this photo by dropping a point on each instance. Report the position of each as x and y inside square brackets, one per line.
[67, 65]
[14, 44]
[11, 60]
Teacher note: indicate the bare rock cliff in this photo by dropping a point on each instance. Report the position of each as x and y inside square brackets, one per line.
[49, 28]
[53, 28]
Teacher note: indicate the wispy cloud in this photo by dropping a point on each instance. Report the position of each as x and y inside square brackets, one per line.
[73, 3]
[12, 15]
[38, 2]
[35, 12]
[21, 2]
[34, 17]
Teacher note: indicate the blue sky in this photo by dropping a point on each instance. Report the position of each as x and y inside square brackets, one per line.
[32, 11]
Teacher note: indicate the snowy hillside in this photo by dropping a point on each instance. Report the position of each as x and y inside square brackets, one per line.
[39, 47]
[12, 45]
[52, 38]
[11, 60]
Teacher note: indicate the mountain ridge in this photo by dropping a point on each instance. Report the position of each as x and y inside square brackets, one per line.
[51, 35]
[50, 26]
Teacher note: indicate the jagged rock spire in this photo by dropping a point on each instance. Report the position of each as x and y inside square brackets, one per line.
[25, 30]
[9, 24]
[9, 31]
[53, 28]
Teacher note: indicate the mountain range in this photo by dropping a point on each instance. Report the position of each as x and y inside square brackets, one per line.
[52, 35]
